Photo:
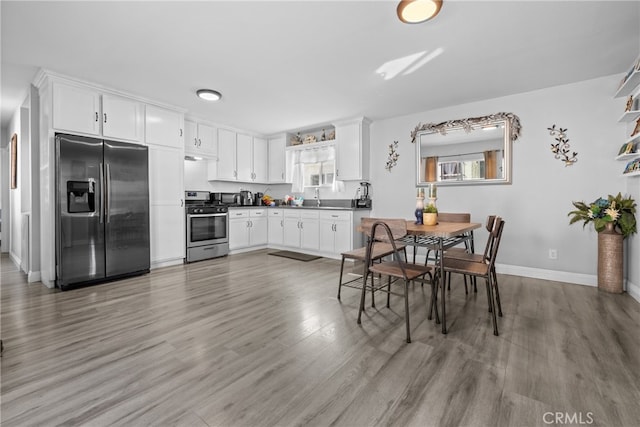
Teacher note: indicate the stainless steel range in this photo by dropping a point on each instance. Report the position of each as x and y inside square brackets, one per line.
[207, 227]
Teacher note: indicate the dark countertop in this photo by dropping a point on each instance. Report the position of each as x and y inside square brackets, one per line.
[335, 204]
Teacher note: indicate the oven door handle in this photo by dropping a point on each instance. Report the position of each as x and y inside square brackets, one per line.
[205, 215]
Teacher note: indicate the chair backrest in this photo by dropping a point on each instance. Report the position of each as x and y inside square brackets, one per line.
[454, 217]
[491, 223]
[495, 236]
[397, 226]
[383, 231]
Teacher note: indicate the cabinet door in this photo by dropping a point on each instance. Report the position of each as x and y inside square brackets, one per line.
[276, 230]
[310, 234]
[166, 233]
[260, 158]
[166, 192]
[244, 157]
[163, 127]
[76, 109]
[238, 233]
[342, 231]
[226, 164]
[258, 231]
[348, 155]
[191, 137]
[277, 160]
[121, 118]
[291, 235]
[327, 236]
[207, 139]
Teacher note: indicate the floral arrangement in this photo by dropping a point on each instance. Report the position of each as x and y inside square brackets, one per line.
[619, 211]
[430, 209]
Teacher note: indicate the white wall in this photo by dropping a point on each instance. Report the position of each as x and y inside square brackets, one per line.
[535, 206]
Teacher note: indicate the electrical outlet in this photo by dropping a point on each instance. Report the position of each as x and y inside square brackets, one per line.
[553, 254]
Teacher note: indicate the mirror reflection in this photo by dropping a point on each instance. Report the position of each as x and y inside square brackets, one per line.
[471, 151]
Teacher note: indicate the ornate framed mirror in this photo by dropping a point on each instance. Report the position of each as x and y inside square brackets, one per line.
[470, 151]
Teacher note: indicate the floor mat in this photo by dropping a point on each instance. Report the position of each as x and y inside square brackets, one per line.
[294, 255]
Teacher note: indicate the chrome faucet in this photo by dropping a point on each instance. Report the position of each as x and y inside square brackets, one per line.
[317, 195]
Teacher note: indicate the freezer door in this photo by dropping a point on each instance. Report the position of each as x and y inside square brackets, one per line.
[126, 208]
[79, 221]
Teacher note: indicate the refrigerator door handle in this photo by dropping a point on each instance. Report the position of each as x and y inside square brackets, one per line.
[107, 204]
[101, 198]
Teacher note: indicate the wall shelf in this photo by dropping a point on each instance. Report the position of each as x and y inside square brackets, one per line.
[629, 85]
[629, 156]
[629, 116]
[630, 174]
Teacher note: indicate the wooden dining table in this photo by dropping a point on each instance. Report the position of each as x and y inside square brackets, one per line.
[438, 238]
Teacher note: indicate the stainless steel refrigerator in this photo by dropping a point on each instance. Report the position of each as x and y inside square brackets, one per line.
[102, 210]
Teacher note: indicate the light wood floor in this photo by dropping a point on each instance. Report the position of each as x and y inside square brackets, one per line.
[259, 340]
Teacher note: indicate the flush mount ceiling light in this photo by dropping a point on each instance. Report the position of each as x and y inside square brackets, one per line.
[417, 11]
[209, 94]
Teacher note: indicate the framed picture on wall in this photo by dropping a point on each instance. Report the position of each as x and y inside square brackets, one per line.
[14, 161]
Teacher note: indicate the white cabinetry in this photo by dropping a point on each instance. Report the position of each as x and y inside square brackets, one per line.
[276, 162]
[352, 150]
[336, 231]
[302, 229]
[164, 127]
[275, 226]
[247, 228]
[200, 139]
[166, 191]
[81, 109]
[241, 157]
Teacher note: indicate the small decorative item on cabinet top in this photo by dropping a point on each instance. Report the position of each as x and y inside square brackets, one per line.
[309, 139]
[332, 135]
[296, 139]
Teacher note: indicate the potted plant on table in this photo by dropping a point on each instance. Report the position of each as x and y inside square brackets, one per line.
[614, 218]
[430, 215]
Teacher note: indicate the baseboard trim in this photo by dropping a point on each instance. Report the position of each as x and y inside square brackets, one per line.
[557, 276]
[33, 276]
[17, 261]
[168, 263]
[633, 290]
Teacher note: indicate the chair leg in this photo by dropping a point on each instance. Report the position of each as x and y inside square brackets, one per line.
[475, 287]
[388, 291]
[340, 278]
[491, 305]
[434, 301]
[406, 309]
[364, 291]
[466, 292]
[373, 293]
[495, 286]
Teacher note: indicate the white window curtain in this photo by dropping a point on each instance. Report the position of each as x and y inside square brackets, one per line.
[311, 155]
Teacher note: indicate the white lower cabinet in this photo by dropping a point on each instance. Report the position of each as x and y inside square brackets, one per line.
[247, 228]
[302, 229]
[336, 231]
[275, 219]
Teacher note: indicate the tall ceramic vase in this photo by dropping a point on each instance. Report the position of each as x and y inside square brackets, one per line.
[610, 260]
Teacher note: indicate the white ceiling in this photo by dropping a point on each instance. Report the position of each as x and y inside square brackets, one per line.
[295, 64]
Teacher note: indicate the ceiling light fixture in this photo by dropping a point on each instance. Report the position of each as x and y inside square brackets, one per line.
[417, 11]
[209, 94]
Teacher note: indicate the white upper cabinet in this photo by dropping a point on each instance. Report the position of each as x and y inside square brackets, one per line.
[76, 109]
[244, 157]
[241, 157]
[225, 169]
[276, 162]
[260, 159]
[84, 110]
[122, 118]
[200, 139]
[352, 150]
[164, 127]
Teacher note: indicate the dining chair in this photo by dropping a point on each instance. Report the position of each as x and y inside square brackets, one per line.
[484, 269]
[394, 268]
[453, 217]
[381, 248]
[462, 253]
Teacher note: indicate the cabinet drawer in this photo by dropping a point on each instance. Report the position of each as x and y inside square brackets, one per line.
[291, 213]
[310, 214]
[254, 213]
[275, 212]
[238, 213]
[336, 216]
